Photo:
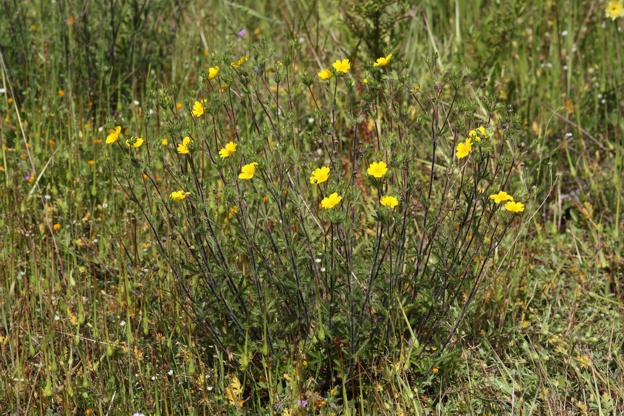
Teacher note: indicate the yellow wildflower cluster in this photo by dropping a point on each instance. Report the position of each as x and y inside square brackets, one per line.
[478, 133]
[511, 205]
[464, 148]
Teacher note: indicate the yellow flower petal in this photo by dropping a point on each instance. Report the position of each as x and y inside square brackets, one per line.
[331, 201]
[377, 169]
[389, 201]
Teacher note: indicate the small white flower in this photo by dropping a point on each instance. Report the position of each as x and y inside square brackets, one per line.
[322, 269]
[317, 260]
[209, 388]
[136, 102]
[568, 134]
[170, 372]
[565, 67]
[153, 378]
[57, 318]
[603, 101]
[47, 197]
[310, 120]
[138, 414]
[100, 128]
[122, 323]
[599, 96]
[95, 240]
[301, 39]
[564, 33]
[104, 205]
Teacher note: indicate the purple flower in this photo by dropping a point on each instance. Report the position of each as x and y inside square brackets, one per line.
[302, 403]
[242, 33]
[27, 176]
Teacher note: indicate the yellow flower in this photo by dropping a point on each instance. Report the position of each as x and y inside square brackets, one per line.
[383, 61]
[113, 135]
[319, 175]
[325, 74]
[614, 9]
[213, 72]
[179, 106]
[389, 201]
[164, 142]
[478, 133]
[342, 66]
[238, 63]
[61, 93]
[331, 201]
[198, 109]
[228, 150]
[512, 206]
[91, 162]
[183, 148]
[463, 149]
[247, 171]
[377, 169]
[179, 195]
[134, 142]
[501, 196]
[56, 226]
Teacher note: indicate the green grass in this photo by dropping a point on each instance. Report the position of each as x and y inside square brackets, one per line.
[91, 319]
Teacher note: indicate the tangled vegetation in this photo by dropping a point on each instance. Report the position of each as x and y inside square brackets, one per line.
[370, 207]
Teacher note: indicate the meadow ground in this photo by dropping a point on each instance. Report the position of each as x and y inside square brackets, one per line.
[206, 210]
